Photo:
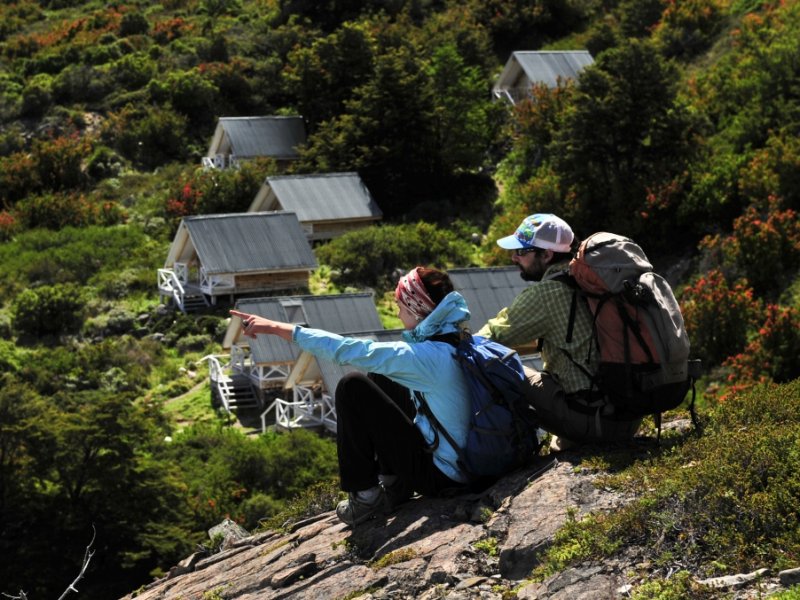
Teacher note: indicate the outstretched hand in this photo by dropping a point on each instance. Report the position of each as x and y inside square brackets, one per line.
[252, 325]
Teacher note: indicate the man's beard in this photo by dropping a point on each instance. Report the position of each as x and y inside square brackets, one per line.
[526, 276]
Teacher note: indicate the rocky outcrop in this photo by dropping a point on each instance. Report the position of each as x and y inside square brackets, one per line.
[473, 546]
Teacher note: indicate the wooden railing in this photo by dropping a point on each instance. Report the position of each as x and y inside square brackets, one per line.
[169, 284]
[304, 410]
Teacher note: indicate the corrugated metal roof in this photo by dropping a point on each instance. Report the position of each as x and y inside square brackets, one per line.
[548, 66]
[338, 313]
[524, 68]
[487, 290]
[276, 137]
[250, 242]
[331, 196]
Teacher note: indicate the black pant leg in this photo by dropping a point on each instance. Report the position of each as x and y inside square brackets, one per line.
[376, 434]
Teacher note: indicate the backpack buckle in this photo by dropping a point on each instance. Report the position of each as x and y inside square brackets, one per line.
[695, 368]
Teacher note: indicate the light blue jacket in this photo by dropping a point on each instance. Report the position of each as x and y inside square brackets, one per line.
[425, 366]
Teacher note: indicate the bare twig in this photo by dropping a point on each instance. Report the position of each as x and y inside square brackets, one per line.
[87, 556]
[22, 596]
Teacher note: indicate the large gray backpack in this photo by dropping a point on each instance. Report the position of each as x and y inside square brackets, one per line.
[642, 345]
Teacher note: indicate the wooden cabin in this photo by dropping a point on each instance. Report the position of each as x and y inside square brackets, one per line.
[235, 254]
[243, 138]
[526, 68]
[327, 205]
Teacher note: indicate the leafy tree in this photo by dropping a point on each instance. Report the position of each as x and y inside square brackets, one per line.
[385, 132]
[638, 17]
[228, 474]
[687, 28]
[90, 461]
[522, 23]
[464, 117]
[324, 75]
[624, 146]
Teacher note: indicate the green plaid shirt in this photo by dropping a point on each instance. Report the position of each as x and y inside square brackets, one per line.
[542, 312]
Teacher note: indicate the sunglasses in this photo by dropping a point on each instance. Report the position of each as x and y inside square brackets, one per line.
[524, 251]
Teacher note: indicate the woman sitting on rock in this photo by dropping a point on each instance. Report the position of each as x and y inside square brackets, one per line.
[388, 450]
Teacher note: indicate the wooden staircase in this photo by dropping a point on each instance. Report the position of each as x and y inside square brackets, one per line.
[193, 302]
[236, 392]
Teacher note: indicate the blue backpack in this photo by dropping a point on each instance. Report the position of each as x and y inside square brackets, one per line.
[503, 430]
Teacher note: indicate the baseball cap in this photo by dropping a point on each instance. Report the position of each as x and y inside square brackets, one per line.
[542, 230]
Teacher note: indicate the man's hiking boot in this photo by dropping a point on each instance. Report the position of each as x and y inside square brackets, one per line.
[354, 511]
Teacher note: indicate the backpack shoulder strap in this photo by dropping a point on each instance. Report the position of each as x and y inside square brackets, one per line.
[439, 428]
[568, 280]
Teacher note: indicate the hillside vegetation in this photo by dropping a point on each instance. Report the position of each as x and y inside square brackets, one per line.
[684, 134]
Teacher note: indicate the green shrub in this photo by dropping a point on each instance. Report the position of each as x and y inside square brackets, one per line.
[133, 71]
[147, 135]
[74, 255]
[59, 161]
[370, 256]
[678, 587]
[725, 502]
[189, 92]
[81, 83]
[133, 23]
[37, 96]
[59, 210]
[217, 191]
[48, 310]
[193, 343]
[103, 163]
[763, 236]
[772, 355]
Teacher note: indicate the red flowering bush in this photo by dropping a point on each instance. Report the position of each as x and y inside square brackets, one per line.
[217, 191]
[764, 246]
[58, 161]
[51, 165]
[8, 225]
[185, 202]
[55, 211]
[718, 316]
[18, 177]
[774, 355]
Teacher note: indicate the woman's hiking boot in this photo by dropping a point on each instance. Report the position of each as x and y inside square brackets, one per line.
[354, 511]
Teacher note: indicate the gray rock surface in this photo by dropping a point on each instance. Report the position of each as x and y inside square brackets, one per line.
[473, 546]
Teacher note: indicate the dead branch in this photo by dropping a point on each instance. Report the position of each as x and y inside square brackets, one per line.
[87, 556]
